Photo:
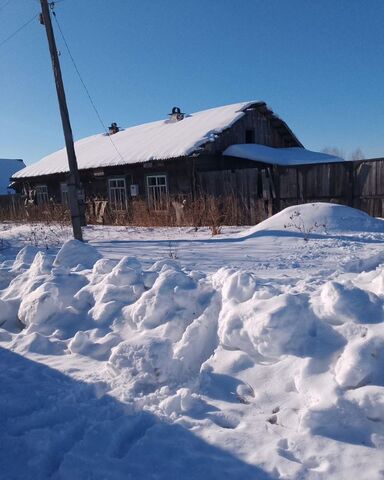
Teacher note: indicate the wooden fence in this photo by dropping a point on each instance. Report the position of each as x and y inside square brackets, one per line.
[265, 190]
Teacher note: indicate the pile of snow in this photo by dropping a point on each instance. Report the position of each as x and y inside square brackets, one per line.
[290, 382]
[319, 218]
[279, 156]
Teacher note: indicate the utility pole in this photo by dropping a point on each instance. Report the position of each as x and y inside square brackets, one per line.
[74, 186]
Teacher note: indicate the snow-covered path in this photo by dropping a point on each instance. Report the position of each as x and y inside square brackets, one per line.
[255, 355]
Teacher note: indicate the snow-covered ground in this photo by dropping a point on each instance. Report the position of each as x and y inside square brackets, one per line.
[168, 354]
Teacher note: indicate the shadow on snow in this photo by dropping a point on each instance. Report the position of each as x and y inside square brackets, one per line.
[54, 426]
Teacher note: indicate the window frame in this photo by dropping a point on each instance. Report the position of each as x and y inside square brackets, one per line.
[118, 204]
[42, 194]
[64, 195]
[157, 191]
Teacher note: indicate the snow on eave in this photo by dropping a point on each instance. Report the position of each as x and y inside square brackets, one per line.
[160, 140]
[287, 156]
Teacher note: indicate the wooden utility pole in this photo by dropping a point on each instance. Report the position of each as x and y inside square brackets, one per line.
[74, 187]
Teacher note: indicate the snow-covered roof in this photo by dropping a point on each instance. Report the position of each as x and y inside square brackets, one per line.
[279, 156]
[151, 141]
[8, 166]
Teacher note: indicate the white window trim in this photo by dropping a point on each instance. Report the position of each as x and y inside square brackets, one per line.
[151, 193]
[117, 204]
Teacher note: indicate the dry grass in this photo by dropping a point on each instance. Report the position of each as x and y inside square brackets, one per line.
[210, 211]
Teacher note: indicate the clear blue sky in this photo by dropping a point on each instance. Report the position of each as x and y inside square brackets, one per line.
[318, 64]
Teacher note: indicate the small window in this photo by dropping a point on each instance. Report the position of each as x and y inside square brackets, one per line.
[250, 136]
[157, 191]
[42, 194]
[64, 193]
[117, 193]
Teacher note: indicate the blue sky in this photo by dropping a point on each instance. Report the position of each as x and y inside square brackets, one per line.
[318, 64]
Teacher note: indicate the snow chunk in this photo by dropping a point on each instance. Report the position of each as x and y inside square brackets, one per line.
[183, 401]
[23, 284]
[40, 304]
[361, 363]
[37, 343]
[94, 344]
[175, 299]
[24, 258]
[74, 253]
[145, 363]
[103, 266]
[370, 399]
[107, 293]
[339, 303]
[273, 327]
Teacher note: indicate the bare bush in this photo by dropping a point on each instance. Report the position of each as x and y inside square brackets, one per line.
[298, 224]
[204, 210]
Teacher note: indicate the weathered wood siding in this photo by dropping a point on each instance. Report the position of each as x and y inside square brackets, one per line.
[259, 190]
[265, 189]
[268, 130]
[251, 190]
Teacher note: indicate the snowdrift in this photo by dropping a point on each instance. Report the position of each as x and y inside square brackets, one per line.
[290, 381]
[319, 218]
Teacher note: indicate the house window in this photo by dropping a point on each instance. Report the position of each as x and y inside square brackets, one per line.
[64, 193]
[117, 193]
[42, 194]
[250, 136]
[157, 191]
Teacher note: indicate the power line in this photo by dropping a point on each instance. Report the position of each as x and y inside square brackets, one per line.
[18, 30]
[85, 87]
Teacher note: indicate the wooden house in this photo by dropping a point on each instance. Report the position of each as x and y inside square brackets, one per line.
[243, 150]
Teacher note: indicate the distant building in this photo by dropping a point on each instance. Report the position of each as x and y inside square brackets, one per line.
[8, 167]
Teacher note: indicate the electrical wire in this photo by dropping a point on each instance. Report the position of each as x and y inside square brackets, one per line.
[18, 30]
[85, 87]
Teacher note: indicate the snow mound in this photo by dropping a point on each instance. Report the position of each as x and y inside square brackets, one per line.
[229, 356]
[319, 218]
[270, 327]
[24, 258]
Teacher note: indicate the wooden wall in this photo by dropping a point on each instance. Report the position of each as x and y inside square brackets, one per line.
[264, 189]
[252, 188]
[260, 190]
[179, 174]
[268, 130]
